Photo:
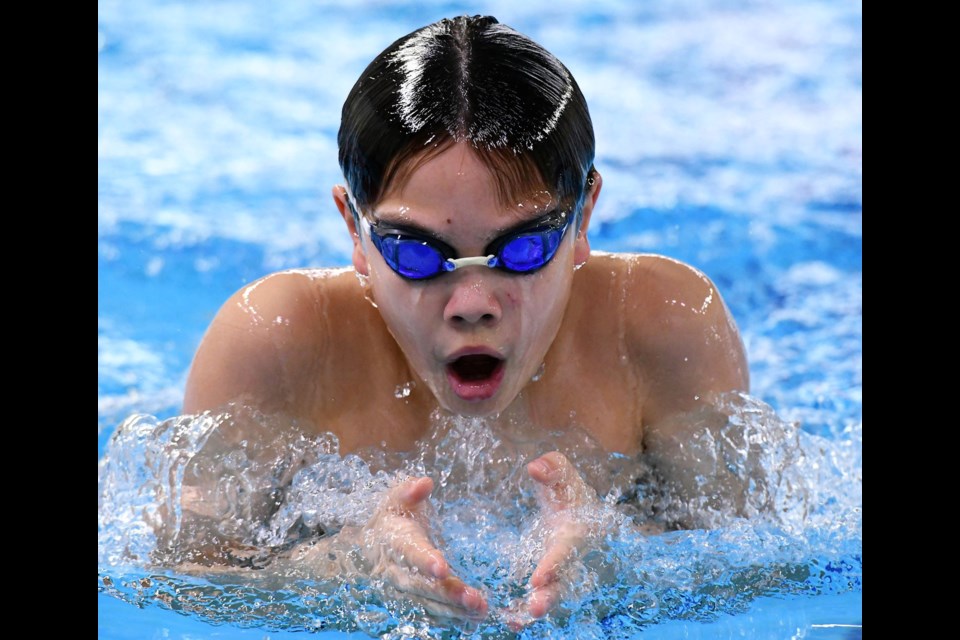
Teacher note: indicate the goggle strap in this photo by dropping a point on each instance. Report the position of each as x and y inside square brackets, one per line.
[452, 264]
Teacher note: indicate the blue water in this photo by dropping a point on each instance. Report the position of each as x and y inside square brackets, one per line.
[729, 136]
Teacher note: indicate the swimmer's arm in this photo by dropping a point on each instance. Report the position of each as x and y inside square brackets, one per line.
[260, 349]
[685, 340]
[691, 350]
[394, 546]
[320, 558]
[247, 371]
[227, 481]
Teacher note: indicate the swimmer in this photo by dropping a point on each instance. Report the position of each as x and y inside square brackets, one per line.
[467, 153]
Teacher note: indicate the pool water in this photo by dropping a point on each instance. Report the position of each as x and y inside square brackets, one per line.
[729, 135]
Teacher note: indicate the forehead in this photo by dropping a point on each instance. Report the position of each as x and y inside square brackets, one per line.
[457, 177]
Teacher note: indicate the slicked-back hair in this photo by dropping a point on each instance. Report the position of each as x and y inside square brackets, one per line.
[468, 79]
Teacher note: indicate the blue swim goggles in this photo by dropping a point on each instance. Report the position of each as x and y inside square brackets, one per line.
[415, 256]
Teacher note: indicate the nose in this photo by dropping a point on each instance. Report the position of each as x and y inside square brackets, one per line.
[473, 300]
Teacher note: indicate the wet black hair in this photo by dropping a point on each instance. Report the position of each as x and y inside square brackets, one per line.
[468, 79]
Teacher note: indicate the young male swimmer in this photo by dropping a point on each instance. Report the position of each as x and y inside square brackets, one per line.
[467, 151]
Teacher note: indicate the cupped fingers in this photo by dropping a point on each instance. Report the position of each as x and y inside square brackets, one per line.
[550, 468]
[542, 600]
[559, 484]
[418, 553]
[466, 596]
[449, 597]
[536, 604]
[551, 563]
[408, 495]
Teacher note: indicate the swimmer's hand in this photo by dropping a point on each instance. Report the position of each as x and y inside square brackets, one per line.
[397, 548]
[566, 504]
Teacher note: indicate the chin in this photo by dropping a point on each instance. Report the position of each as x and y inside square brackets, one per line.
[480, 409]
[476, 408]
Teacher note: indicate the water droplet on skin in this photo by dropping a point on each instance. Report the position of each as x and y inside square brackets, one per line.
[539, 373]
[404, 390]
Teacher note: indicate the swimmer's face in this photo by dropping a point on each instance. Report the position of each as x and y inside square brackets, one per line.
[476, 336]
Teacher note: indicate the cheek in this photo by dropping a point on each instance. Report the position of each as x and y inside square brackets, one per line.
[539, 302]
[544, 302]
[408, 311]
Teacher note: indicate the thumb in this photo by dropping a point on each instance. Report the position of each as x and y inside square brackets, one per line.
[409, 495]
[559, 486]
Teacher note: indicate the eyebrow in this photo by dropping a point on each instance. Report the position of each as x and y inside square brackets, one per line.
[416, 229]
[411, 227]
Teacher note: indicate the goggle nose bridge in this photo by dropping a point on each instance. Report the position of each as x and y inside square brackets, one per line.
[452, 264]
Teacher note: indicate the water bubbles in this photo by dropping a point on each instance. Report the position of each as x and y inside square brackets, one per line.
[485, 514]
[642, 606]
[404, 390]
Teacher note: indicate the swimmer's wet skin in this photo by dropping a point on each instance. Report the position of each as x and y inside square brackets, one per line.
[561, 495]
[468, 212]
[402, 522]
[400, 530]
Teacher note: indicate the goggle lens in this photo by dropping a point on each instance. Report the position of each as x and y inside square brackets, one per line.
[413, 259]
[530, 251]
[417, 258]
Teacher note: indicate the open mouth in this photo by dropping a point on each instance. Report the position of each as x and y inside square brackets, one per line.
[475, 376]
[475, 367]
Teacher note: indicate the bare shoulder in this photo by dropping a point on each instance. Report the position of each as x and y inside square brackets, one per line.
[283, 307]
[263, 338]
[664, 289]
[682, 337]
[673, 292]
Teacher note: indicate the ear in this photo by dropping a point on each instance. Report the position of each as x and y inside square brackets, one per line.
[359, 257]
[581, 248]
